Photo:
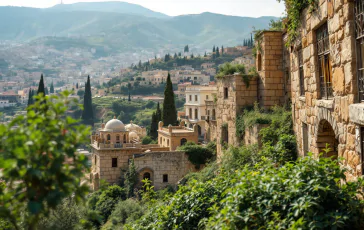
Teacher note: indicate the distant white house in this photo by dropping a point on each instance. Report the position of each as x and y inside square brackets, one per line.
[6, 103]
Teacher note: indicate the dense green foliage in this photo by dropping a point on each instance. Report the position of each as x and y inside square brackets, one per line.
[169, 114]
[294, 9]
[88, 113]
[197, 154]
[131, 179]
[229, 69]
[33, 150]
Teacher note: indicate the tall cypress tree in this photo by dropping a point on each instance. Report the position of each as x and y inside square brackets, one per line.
[154, 127]
[222, 50]
[159, 113]
[46, 91]
[169, 106]
[51, 90]
[217, 52]
[213, 50]
[87, 113]
[41, 86]
[30, 97]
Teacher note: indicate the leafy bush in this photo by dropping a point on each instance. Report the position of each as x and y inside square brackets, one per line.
[229, 69]
[197, 154]
[309, 194]
[127, 211]
[147, 140]
[107, 200]
[33, 151]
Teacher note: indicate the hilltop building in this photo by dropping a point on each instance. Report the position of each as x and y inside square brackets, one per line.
[115, 145]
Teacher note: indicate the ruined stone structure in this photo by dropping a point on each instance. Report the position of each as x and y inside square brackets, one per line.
[327, 89]
[172, 137]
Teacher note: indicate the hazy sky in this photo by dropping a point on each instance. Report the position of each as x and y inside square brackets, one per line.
[252, 8]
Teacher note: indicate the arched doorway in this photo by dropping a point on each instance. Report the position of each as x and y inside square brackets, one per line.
[183, 141]
[199, 130]
[147, 176]
[326, 135]
[108, 137]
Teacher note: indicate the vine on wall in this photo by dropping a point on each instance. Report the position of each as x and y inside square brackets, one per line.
[294, 9]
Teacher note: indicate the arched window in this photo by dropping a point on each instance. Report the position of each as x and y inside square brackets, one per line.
[196, 114]
[190, 114]
[160, 140]
[95, 160]
[213, 114]
[108, 137]
[146, 176]
[124, 138]
[168, 142]
[117, 139]
[183, 141]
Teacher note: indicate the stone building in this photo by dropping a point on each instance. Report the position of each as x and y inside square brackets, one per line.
[172, 137]
[113, 147]
[327, 82]
[196, 111]
[163, 168]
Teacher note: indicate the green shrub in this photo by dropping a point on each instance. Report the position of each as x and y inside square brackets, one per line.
[229, 69]
[147, 140]
[107, 200]
[127, 211]
[308, 194]
[197, 154]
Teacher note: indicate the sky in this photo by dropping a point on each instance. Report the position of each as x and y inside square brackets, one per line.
[249, 8]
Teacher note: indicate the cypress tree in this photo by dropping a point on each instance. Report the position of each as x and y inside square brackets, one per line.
[222, 50]
[51, 90]
[205, 54]
[159, 113]
[77, 85]
[154, 127]
[87, 113]
[213, 50]
[41, 86]
[217, 52]
[169, 106]
[30, 97]
[129, 98]
[46, 91]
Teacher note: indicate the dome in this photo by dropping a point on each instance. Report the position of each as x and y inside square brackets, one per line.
[132, 127]
[133, 135]
[114, 125]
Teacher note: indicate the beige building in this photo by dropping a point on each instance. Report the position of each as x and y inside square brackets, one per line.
[113, 147]
[195, 107]
[172, 137]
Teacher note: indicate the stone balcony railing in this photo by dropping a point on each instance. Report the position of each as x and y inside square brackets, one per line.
[100, 145]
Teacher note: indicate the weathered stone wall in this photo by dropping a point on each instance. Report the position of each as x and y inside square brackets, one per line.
[270, 69]
[173, 164]
[240, 94]
[310, 109]
[252, 136]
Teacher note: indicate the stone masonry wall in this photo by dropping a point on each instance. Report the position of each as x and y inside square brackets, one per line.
[309, 109]
[174, 164]
[239, 96]
[270, 69]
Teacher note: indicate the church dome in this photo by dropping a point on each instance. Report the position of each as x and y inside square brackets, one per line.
[114, 125]
[133, 135]
[132, 127]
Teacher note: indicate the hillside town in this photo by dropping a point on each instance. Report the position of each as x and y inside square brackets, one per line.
[264, 135]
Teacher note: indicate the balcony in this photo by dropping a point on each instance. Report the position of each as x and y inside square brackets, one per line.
[208, 118]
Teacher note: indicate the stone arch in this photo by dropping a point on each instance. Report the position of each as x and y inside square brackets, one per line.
[326, 135]
[199, 130]
[108, 137]
[183, 141]
[146, 172]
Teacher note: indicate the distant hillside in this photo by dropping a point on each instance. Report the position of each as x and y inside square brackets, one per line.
[110, 7]
[119, 31]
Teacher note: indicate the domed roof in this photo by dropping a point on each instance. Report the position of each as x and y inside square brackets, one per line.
[114, 125]
[133, 135]
[132, 126]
